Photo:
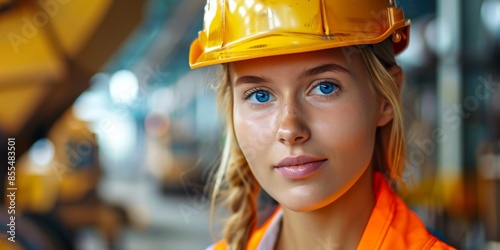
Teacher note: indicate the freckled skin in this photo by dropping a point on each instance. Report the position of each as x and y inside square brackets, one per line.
[340, 128]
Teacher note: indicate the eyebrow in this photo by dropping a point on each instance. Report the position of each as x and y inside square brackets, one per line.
[322, 69]
[251, 79]
[307, 73]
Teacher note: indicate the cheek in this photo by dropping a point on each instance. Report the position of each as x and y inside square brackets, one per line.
[254, 134]
[348, 129]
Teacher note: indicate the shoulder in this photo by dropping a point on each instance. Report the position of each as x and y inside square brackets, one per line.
[439, 245]
[414, 230]
[220, 245]
[263, 238]
[407, 227]
[392, 225]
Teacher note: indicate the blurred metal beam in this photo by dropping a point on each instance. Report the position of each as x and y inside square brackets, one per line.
[170, 37]
[119, 21]
[449, 88]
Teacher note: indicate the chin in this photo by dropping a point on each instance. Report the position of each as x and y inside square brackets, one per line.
[300, 208]
[303, 206]
[306, 203]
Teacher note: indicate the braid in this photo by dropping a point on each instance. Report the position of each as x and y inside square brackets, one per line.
[234, 180]
[241, 200]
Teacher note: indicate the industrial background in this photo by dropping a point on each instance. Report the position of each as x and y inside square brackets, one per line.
[115, 137]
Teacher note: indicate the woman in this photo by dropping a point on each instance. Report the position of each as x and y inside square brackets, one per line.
[310, 91]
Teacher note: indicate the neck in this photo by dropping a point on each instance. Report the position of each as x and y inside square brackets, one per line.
[339, 225]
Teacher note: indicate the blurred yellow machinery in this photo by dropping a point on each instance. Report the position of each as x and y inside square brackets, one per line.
[65, 188]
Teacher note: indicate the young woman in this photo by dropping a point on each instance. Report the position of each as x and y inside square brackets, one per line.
[310, 91]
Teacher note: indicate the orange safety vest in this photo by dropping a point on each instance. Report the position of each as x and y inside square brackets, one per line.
[392, 225]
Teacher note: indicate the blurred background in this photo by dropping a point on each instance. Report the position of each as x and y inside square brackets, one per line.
[115, 137]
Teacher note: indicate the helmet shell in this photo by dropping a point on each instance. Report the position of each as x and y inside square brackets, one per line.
[236, 30]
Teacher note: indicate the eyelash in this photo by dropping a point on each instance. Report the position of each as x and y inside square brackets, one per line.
[247, 94]
[334, 83]
[252, 91]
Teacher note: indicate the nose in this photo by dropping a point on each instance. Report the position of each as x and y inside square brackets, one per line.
[292, 127]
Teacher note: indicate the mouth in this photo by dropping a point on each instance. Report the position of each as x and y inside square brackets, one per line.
[297, 160]
[299, 167]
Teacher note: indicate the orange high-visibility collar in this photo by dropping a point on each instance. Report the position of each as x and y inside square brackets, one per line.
[392, 225]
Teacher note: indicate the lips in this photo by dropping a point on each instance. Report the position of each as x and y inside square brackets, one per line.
[299, 167]
[297, 160]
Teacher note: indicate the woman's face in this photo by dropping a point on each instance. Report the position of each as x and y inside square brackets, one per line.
[306, 124]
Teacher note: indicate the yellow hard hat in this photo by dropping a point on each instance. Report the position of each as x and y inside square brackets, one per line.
[236, 30]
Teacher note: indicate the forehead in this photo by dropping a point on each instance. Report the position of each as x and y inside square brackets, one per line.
[299, 61]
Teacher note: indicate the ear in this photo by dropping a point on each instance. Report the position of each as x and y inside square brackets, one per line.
[386, 111]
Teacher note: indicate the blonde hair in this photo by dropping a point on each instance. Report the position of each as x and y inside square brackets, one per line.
[236, 183]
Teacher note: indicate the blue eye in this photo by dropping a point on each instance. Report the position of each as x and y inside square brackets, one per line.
[325, 88]
[260, 96]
